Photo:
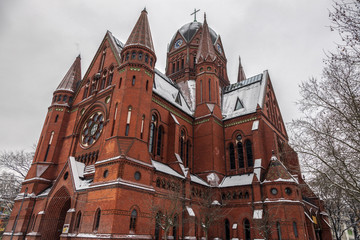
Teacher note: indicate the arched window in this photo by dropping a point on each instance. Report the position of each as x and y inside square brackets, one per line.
[102, 60]
[133, 55]
[201, 93]
[140, 56]
[97, 219]
[209, 89]
[182, 140]
[86, 89]
[152, 133]
[177, 65]
[159, 140]
[110, 79]
[103, 80]
[240, 153]
[59, 98]
[65, 98]
[133, 80]
[278, 229]
[187, 153]
[175, 233]
[295, 229]
[133, 218]
[120, 82]
[146, 58]
[182, 63]
[151, 62]
[128, 121]
[127, 56]
[48, 147]
[142, 126]
[173, 67]
[232, 156]
[157, 226]
[247, 229]
[227, 229]
[77, 221]
[147, 85]
[57, 117]
[249, 154]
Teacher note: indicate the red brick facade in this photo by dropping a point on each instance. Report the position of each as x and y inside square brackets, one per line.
[126, 144]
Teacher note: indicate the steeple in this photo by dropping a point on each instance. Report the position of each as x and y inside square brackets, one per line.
[206, 51]
[241, 73]
[141, 34]
[71, 77]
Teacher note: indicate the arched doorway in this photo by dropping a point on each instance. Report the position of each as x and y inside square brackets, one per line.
[55, 214]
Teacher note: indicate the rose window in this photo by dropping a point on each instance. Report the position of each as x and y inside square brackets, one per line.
[92, 129]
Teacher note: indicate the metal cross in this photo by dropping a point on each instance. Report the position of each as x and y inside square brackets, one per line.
[194, 13]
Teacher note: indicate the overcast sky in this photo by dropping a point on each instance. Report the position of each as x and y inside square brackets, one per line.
[40, 39]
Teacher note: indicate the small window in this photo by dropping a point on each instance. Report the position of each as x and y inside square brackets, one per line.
[249, 153]
[137, 175]
[238, 104]
[146, 58]
[182, 63]
[65, 98]
[133, 218]
[178, 99]
[110, 79]
[295, 229]
[232, 156]
[59, 98]
[127, 56]
[97, 219]
[133, 55]
[120, 82]
[56, 118]
[106, 173]
[151, 62]
[173, 67]
[133, 80]
[278, 229]
[288, 191]
[147, 85]
[140, 56]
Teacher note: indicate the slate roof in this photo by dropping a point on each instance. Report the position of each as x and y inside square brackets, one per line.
[72, 77]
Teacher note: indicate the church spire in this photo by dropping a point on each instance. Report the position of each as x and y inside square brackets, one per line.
[141, 34]
[241, 73]
[206, 51]
[71, 77]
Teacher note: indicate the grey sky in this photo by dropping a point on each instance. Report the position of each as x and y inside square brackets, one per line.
[40, 39]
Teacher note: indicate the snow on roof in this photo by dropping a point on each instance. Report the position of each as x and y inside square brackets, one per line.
[190, 211]
[44, 193]
[188, 90]
[77, 169]
[165, 169]
[249, 91]
[257, 168]
[198, 180]
[166, 89]
[237, 180]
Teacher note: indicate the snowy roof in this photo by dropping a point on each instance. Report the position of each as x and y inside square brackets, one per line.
[237, 180]
[198, 180]
[277, 172]
[77, 170]
[250, 92]
[165, 169]
[165, 88]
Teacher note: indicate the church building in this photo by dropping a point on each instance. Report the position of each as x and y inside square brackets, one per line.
[130, 152]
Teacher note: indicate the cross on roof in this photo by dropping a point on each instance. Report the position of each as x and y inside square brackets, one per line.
[194, 13]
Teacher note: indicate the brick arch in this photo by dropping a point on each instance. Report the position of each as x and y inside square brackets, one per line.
[55, 214]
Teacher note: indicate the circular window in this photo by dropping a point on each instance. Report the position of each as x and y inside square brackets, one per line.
[288, 191]
[66, 175]
[137, 175]
[274, 191]
[92, 129]
[238, 138]
[106, 173]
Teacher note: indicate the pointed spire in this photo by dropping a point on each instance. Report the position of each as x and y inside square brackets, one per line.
[206, 51]
[141, 34]
[241, 73]
[72, 76]
[277, 171]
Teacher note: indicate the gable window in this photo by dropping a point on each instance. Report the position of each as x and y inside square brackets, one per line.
[133, 218]
[178, 99]
[249, 154]
[232, 156]
[238, 104]
[86, 89]
[97, 219]
[152, 133]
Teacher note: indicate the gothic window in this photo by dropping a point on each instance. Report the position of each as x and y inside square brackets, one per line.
[182, 141]
[128, 121]
[133, 218]
[142, 126]
[102, 85]
[133, 55]
[65, 98]
[151, 62]
[114, 120]
[159, 140]
[278, 229]
[102, 60]
[227, 229]
[246, 196]
[249, 154]
[240, 152]
[182, 63]
[209, 89]
[127, 56]
[247, 229]
[133, 80]
[77, 221]
[201, 93]
[120, 82]
[59, 98]
[147, 85]
[232, 156]
[295, 229]
[70, 100]
[187, 153]
[48, 147]
[152, 133]
[173, 67]
[57, 117]
[86, 90]
[194, 62]
[110, 79]
[175, 227]
[97, 219]
[140, 56]
[146, 58]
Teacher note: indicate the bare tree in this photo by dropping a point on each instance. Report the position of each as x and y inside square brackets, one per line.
[328, 136]
[265, 222]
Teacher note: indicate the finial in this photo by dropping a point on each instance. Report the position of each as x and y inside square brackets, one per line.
[239, 60]
[204, 16]
[144, 10]
[194, 13]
